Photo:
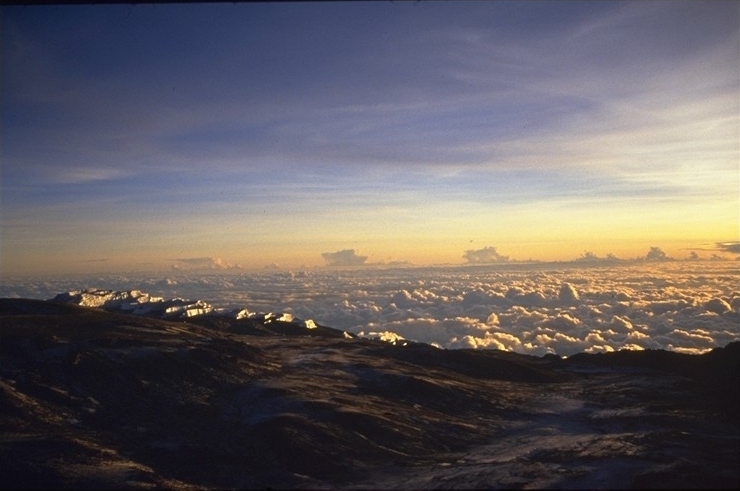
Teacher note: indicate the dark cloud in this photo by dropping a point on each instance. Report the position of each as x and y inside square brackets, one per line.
[346, 257]
[718, 250]
[733, 247]
[484, 256]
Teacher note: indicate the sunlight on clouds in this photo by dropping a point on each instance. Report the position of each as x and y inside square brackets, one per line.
[676, 305]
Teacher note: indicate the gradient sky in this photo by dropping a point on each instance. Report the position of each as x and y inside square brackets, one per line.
[144, 136]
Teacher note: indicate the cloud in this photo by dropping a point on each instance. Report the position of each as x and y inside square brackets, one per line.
[519, 296]
[590, 257]
[203, 263]
[79, 174]
[346, 257]
[484, 256]
[657, 254]
[733, 247]
[568, 294]
[690, 307]
[719, 249]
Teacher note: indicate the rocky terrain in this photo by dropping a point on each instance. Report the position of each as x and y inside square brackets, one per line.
[97, 399]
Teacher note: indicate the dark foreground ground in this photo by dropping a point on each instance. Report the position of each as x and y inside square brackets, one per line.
[91, 399]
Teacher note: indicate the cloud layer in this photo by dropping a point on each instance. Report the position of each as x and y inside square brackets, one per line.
[688, 306]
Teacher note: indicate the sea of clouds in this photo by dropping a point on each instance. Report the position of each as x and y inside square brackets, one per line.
[683, 306]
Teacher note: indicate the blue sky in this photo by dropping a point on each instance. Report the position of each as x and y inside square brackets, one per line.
[135, 136]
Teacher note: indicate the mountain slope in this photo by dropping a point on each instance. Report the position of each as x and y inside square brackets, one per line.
[94, 399]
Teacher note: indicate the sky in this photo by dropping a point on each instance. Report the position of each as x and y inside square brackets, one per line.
[291, 135]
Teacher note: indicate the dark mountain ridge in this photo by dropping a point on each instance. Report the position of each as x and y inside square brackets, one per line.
[93, 399]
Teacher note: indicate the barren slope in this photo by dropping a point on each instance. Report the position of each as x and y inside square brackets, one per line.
[93, 399]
